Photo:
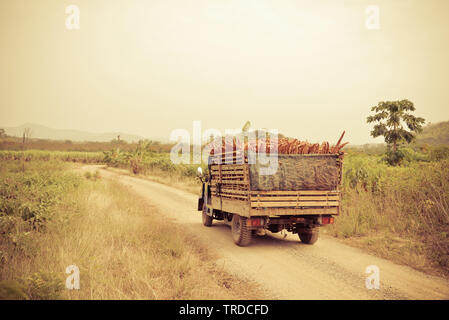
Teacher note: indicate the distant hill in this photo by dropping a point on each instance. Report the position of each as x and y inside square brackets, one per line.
[42, 132]
[435, 134]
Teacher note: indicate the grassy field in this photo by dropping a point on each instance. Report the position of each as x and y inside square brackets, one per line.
[16, 144]
[400, 213]
[51, 217]
[41, 155]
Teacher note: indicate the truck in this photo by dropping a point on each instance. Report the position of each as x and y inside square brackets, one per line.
[300, 197]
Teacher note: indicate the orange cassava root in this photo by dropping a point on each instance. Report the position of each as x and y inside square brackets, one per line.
[285, 146]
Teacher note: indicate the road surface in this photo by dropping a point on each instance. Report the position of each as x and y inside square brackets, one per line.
[284, 267]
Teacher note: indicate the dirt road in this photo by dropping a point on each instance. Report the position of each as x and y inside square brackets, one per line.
[284, 267]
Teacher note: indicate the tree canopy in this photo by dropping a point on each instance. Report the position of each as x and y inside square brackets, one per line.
[392, 119]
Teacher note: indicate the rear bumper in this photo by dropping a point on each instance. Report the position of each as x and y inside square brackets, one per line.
[276, 212]
[290, 223]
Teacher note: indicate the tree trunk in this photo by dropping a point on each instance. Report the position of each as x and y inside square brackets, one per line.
[395, 142]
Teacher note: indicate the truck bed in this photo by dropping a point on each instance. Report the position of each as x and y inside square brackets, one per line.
[302, 185]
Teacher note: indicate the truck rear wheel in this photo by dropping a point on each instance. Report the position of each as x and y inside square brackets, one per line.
[240, 231]
[207, 219]
[309, 237]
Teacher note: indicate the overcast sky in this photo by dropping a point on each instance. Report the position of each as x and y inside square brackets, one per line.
[308, 68]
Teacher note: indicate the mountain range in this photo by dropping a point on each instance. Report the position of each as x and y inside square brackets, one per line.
[42, 132]
[437, 133]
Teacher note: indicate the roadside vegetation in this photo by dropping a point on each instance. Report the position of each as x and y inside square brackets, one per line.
[19, 144]
[400, 211]
[52, 217]
[33, 200]
[155, 166]
[399, 200]
[40, 155]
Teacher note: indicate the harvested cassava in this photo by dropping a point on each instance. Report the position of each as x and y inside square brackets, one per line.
[285, 146]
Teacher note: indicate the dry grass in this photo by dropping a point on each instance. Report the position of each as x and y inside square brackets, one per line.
[189, 184]
[401, 214]
[364, 225]
[124, 249]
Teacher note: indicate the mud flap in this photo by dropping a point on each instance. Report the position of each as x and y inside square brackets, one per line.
[200, 204]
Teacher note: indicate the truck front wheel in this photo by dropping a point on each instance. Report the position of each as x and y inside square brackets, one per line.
[207, 219]
[240, 231]
[309, 237]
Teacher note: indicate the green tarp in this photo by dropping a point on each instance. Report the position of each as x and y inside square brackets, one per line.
[298, 172]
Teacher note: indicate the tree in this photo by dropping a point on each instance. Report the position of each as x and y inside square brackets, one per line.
[2, 133]
[393, 118]
[27, 132]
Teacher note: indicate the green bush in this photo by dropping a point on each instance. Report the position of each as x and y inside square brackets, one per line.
[439, 153]
[28, 198]
[410, 155]
[43, 286]
[39, 155]
[393, 158]
[12, 290]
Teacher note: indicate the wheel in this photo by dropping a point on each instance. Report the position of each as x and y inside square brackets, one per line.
[309, 237]
[240, 231]
[207, 220]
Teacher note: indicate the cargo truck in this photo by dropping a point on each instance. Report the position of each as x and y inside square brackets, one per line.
[300, 197]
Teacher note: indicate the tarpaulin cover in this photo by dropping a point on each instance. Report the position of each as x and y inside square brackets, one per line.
[298, 172]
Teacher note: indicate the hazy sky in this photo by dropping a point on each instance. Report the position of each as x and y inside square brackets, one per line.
[306, 67]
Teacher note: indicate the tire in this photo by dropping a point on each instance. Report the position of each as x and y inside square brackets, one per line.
[240, 231]
[207, 220]
[309, 237]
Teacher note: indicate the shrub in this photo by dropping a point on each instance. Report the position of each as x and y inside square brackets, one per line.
[27, 199]
[439, 153]
[42, 286]
[411, 155]
[393, 158]
[407, 201]
[12, 290]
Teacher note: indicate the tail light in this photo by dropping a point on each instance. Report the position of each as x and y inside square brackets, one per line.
[327, 220]
[256, 222]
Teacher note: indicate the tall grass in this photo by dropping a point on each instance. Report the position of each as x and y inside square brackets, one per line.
[127, 250]
[15, 143]
[402, 212]
[144, 161]
[30, 201]
[407, 206]
[399, 212]
[124, 248]
[40, 155]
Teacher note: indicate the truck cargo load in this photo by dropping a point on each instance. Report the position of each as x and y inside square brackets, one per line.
[301, 195]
